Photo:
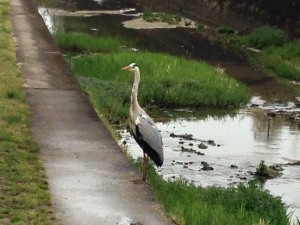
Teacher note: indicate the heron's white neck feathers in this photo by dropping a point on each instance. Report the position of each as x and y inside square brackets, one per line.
[134, 101]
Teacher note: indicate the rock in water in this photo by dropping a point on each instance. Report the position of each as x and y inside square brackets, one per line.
[202, 146]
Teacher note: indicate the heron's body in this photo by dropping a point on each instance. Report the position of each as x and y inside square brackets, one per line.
[142, 127]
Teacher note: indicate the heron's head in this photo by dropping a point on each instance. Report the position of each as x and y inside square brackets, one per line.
[132, 67]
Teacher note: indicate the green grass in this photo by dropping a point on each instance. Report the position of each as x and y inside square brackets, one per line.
[24, 198]
[262, 168]
[149, 16]
[165, 80]
[267, 36]
[225, 30]
[191, 205]
[278, 53]
[163, 17]
[260, 38]
[79, 42]
[284, 60]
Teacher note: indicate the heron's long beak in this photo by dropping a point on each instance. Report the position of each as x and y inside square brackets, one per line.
[126, 68]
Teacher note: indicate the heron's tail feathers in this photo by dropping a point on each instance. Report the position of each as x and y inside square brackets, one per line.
[156, 155]
[157, 158]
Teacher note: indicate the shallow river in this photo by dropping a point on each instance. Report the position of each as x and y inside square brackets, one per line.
[241, 138]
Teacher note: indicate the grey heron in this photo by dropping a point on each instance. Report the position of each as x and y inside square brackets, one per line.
[142, 127]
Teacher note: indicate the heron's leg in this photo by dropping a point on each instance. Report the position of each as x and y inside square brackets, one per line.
[144, 168]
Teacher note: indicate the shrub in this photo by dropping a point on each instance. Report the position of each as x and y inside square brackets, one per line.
[149, 16]
[225, 30]
[284, 60]
[83, 42]
[267, 36]
[166, 18]
[200, 26]
[262, 168]
[177, 18]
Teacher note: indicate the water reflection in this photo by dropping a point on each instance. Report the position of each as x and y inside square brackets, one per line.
[244, 139]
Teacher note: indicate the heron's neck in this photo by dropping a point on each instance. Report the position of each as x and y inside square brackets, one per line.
[134, 101]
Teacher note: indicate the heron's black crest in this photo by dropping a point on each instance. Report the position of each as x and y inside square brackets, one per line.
[134, 65]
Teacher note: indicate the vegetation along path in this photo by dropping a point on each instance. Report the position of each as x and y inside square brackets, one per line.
[90, 177]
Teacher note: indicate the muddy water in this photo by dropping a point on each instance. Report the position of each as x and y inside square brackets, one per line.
[242, 138]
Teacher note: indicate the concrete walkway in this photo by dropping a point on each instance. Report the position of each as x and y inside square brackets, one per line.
[90, 176]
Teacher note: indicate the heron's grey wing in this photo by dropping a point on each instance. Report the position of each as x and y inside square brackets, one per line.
[149, 134]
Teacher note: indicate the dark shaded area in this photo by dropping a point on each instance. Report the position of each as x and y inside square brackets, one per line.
[287, 8]
[241, 14]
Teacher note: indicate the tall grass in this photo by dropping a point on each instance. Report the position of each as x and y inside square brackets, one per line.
[225, 30]
[165, 80]
[277, 52]
[242, 205]
[83, 42]
[163, 17]
[149, 16]
[24, 198]
[284, 60]
[267, 36]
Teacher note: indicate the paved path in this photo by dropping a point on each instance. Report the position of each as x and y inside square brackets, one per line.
[89, 175]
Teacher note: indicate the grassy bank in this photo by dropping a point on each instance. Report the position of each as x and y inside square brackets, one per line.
[24, 198]
[80, 42]
[166, 80]
[284, 60]
[242, 205]
[278, 53]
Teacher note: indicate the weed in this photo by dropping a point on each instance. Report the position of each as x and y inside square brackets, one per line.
[149, 16]
[189, 204]
[200, 26]
[163, 17]
[225, 30]
[10, 94]
[284, 60]
[219, 89]
[177, 18]
[166, 18]
[267, 36]
[262, 168]
[78, 42]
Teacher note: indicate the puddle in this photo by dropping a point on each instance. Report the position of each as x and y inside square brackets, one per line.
[241, 140]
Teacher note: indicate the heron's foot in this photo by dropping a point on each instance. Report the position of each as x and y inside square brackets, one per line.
[139, 181]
